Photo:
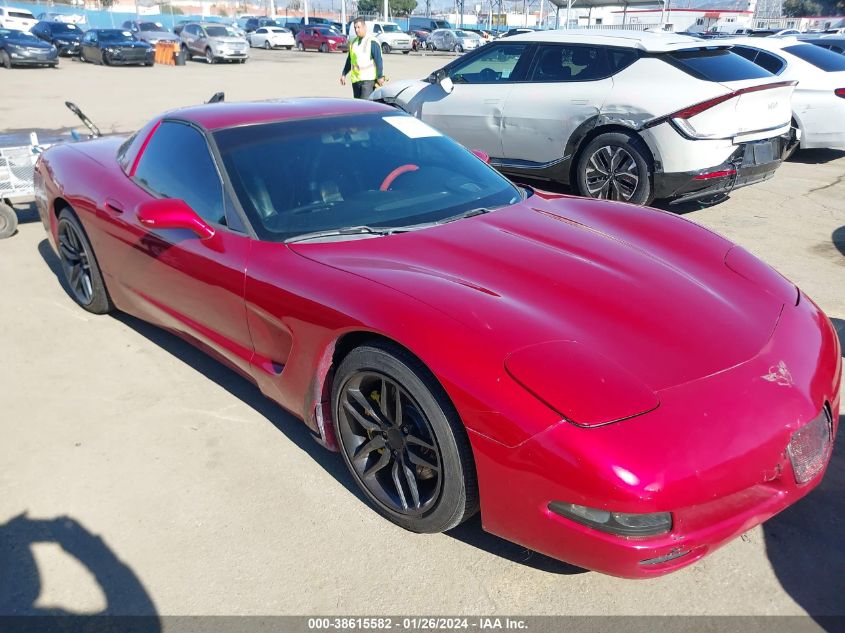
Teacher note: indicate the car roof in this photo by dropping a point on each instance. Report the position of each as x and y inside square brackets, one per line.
[642, 40]
[217, 116]
[767, 43]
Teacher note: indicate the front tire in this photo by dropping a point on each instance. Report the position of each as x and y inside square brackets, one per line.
[188, 55]
[402, 440]
[459, 48]
[81, 271]
[615, 166]
[8, 221]
[324, 48]
[209, 56]
[385, 48]
[5, 60]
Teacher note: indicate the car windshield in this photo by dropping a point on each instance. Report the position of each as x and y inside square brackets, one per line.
[61, 27]
[116, 36]
[328, 32]
[390, 28]
[20, 36]
[819, 57]
[220, 31]
[379, 170]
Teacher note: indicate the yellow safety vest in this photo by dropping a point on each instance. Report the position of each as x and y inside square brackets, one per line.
[361, 60]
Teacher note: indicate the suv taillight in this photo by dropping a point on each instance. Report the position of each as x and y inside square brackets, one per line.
[840, 92]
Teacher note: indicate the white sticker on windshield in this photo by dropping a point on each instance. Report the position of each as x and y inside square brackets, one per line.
[411, 127]
[127, 33]
[71, 27]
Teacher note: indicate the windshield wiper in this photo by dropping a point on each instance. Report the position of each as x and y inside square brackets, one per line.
[348, 230]
[466, 214]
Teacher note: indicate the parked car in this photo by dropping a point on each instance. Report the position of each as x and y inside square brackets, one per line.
[485, 36]
[773, 32]
[115, 47]
[420, 37]
[68, 18]
[831, 43]
[271, 37]
[389, 36]
[516, 31]
[611, 385]
[177, 28]
[591, 110]
[818, 104]
[255, 23]
[321, 39]
[453, 40]
[150, 32]
[65, 37]
[427, 24]
[21, 48]
[16, 19]
[215, 42]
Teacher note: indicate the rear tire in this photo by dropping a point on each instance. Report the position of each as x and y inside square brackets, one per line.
[615, 166]
[8, 221]
[80, 267]
[289, 47]
[300, 47]
[402, 440]
[267, 45]
[324, 48]
[188, 55]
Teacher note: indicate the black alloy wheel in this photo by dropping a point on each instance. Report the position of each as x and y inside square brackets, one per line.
[401, 440]
[615, 166]
[82, 273]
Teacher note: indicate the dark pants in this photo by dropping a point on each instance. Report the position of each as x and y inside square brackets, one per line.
[363, 89]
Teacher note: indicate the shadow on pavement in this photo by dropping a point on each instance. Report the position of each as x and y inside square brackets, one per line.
[804, 542]
[815, 156]
[838, 239]
[294, 429]
[472, 533]
[21, 583]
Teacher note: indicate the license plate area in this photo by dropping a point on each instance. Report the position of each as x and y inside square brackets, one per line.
[761, 152]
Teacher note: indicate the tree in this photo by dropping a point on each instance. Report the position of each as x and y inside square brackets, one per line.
[802, 8]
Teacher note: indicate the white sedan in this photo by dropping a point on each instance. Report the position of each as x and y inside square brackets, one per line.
[271, 37]
[818, 103]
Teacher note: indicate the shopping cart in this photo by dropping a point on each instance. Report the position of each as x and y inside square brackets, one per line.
[17, 166]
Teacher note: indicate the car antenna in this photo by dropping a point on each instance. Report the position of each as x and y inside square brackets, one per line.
[217, 97]
[95, 131]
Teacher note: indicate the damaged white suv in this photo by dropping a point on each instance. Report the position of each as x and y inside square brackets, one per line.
[619, 115]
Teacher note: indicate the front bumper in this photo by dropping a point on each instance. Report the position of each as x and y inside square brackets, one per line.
[231, 54]
[49, 58]
[713, 454]
[68, 48]
[121, 58]
[752, 162]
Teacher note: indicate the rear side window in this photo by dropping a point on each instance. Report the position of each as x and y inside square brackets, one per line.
[767, 61]
[822, 58]
[715, 64]
[620, 58]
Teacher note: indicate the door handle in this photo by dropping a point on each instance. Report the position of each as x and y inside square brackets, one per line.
[113, 206]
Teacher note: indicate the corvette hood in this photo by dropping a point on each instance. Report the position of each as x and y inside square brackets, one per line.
[643, 288]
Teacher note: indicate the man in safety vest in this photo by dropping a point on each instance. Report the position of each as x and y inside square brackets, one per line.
[363, 64]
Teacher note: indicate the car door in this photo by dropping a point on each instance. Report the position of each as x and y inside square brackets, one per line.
[90, 49]
[190, 285]
[472, 113]
[568, 85]
[194, 39]
[259, 36]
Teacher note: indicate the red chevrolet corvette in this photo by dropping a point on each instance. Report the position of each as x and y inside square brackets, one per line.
[610, 385]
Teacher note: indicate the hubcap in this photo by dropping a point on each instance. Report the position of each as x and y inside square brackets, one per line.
[390, 443]
[76, 262]
[612, 174]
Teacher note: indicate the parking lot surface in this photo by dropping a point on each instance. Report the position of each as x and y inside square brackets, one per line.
[139, 476]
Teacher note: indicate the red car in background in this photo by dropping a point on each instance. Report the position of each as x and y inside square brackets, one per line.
[320, 38]
[611, 385]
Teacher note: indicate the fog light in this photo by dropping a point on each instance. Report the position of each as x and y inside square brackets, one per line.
[810, 447]
[621, 523]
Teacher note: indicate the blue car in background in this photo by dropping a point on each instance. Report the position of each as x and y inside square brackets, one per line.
[18, 48]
